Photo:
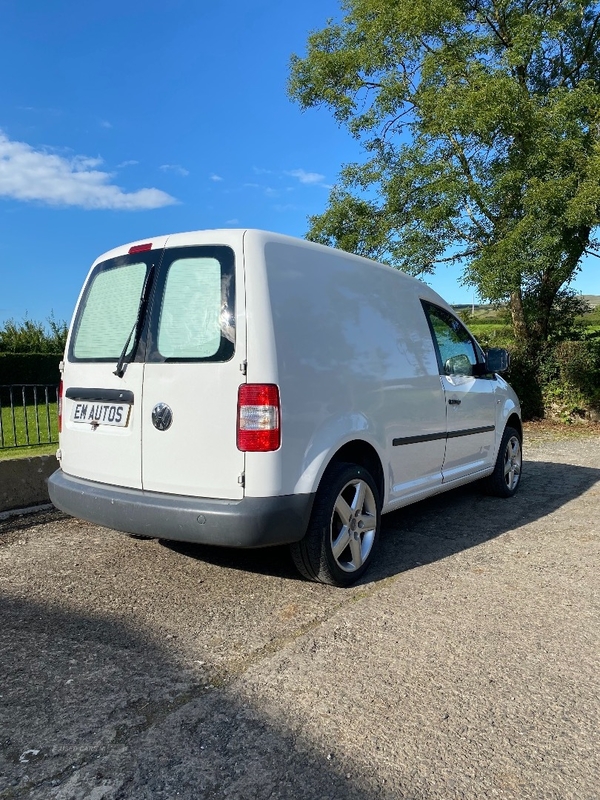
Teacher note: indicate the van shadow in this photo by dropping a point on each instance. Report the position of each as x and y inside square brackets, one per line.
[432, 529]
[275, 561]
[464, 518]
[93, 707]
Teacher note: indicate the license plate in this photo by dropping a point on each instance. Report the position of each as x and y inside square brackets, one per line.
[101, 413]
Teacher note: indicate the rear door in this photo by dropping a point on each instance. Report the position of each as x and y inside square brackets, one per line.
[101, 431]
[194, 359]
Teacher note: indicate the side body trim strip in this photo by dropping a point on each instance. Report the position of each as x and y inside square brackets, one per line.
[470, 431]
[431, 437]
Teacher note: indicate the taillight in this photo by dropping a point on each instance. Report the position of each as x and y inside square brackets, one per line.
[259, 417]
[59, 401]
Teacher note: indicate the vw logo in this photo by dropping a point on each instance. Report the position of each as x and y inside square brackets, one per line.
[162, 416]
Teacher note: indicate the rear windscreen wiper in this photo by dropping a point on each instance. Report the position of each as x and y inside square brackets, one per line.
[137, 326]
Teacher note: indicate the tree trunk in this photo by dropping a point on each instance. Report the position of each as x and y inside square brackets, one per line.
[540, 327]
[517, 314]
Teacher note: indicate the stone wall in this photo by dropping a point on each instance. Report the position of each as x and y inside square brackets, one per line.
[23, 481]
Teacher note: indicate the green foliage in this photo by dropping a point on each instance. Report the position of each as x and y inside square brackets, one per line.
[591, 319]
[564, 402]
[565, 315]
[492, 334]
[561, 380]
[481, 127]
[523, 376]
[577, 364]
[19, 368]
[29, 336]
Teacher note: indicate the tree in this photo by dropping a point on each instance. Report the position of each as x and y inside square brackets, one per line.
[30, 336]
[480, 121]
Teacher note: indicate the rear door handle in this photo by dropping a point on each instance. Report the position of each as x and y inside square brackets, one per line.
[454, 402]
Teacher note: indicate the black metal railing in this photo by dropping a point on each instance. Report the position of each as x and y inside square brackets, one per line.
[28, 415]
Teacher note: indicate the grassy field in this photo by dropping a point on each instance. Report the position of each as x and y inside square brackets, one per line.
[491, 334]
[27, 430]
[491, 326]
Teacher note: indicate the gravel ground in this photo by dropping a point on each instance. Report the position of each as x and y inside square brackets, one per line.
[466, 667]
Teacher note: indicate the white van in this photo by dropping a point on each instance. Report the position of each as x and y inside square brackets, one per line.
[243, 388]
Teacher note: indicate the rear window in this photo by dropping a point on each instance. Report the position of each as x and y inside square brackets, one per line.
[193, 306]
[189, 325]
[108, 312]
[187, 312]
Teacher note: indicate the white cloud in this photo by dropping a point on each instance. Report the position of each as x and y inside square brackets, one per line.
[129, 163]
[104, 123]
[232, 222]
[216, 178]
[175, 168]
[306, 177]
[37, 175]
[269, 191]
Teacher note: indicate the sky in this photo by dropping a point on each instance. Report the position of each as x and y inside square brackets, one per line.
[126, 120]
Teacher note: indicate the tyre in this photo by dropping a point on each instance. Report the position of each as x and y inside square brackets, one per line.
[504, 480]
[343, 528]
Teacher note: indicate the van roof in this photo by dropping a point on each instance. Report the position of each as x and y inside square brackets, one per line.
[235, 236]
[221, 236]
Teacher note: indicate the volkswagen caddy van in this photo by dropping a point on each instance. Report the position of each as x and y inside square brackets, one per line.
[244, 389]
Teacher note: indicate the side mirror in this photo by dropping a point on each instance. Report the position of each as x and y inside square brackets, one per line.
[458, 365]
[497, 359]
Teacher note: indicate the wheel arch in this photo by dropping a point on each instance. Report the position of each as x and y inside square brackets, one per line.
[514, 421]
[364, 455]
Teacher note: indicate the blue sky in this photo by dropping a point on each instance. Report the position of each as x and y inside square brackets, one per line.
[124, 120]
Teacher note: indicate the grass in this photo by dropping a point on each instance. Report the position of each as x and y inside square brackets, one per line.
[24, 431]
[28, 452]
[490, 333]
[491, 326]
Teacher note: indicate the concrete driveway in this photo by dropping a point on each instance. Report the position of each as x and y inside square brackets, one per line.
[466, 667]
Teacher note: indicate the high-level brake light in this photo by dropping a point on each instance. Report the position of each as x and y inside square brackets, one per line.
[259, 417]
[140, 248]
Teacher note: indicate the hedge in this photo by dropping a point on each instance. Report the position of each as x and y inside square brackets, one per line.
[40, 368]
[561, 381]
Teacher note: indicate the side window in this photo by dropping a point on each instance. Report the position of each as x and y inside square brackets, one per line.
[457, 352]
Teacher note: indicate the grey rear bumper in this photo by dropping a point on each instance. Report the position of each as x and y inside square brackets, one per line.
[250, 522]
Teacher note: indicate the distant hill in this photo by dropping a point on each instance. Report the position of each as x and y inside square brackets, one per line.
[592, 299]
